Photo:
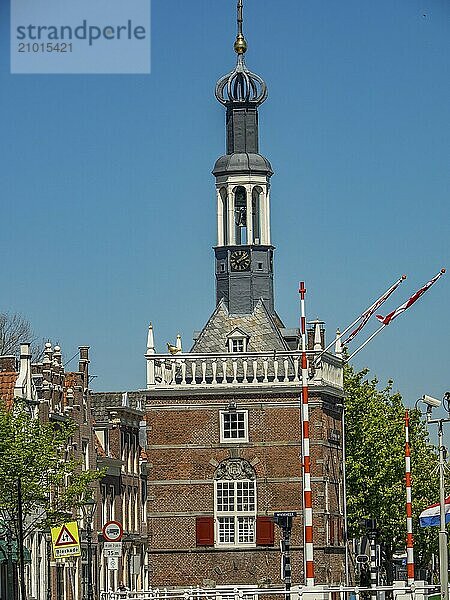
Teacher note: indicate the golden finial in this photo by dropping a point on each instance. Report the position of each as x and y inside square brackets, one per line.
[240, 45]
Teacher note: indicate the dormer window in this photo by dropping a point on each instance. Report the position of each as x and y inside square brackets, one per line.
[237, 341]
[238, 345]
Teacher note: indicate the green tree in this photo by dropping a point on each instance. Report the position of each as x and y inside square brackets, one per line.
[375, 466]
[39, 455]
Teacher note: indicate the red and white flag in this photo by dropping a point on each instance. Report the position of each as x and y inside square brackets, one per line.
[398, 311]
[371, 310]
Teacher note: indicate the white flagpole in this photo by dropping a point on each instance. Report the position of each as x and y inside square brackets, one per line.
[363, 314]
[366, 342]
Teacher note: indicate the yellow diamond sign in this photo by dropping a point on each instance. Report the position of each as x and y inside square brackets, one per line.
[66, 540]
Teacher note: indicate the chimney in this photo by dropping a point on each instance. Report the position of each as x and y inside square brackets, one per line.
[83, 365]
[22, 388]
[8, 363]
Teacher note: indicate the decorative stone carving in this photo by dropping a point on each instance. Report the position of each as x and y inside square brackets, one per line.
[235, 468]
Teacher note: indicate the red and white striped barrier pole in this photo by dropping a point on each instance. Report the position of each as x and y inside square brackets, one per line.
[409, 530]
[307, 497]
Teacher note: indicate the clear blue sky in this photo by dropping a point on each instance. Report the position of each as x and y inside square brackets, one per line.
[108, 204]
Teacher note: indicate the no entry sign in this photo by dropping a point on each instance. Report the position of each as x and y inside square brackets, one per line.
[112, 531]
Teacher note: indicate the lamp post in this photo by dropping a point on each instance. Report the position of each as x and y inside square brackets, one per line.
[443, 538]
[88, 508]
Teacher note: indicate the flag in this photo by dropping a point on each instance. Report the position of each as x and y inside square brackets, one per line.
[375, 306]
[398, 311]
[431, 515]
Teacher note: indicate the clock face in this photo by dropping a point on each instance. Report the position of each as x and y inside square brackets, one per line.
[240, 260]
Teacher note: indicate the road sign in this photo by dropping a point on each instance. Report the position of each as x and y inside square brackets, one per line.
[288, 513]
[112, 531]
[66, 540]
[113, 563]
[112, 549]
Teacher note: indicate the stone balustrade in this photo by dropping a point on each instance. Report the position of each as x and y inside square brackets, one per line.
[246, 369]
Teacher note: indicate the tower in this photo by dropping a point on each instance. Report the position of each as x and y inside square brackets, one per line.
[224, 420]
[244, 253]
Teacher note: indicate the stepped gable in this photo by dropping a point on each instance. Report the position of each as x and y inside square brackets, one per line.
[260, 326]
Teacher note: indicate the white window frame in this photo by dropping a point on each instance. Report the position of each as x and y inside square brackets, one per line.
[234, 342]
[234, 514]
[231, 440]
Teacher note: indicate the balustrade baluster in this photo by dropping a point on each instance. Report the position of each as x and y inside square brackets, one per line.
[203, 372]
[244, 367]
[275, 371]
[296, 363]
[286, 370]
[193, 369]
[183, 371]
[266, 368]
[214, 371]
[224, 368]
[235, 366]
[255, 371]
[163, 372]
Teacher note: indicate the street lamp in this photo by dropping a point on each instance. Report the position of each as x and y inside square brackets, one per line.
[443, 540]
[88, 508]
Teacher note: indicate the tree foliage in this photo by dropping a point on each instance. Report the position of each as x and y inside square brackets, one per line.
[39, 454]
[375, 465]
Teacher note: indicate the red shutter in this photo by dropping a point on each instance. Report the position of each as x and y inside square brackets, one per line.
[264, 531]
[204, 531]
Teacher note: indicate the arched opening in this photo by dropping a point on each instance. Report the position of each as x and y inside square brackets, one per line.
[240, 215]
[256, 214]
[224, 224]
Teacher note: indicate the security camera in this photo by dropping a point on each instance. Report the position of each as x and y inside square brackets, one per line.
[430, 401]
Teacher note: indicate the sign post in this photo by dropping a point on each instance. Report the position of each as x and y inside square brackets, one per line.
[284, 521]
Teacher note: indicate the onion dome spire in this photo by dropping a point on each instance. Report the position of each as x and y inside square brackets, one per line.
[241, 86]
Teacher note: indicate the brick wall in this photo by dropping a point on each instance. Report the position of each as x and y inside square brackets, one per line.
[184, 451]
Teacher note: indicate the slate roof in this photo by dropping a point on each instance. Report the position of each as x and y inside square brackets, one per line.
[7, 382]
[264, 334]
[101, 402]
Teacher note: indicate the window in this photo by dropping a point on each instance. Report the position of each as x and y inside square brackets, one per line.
[104, 514]
[237, 341]
[256, 210]
[236, 511]
[112, 496]
[237, 345]
[234, 426]
[240, 215]
[85, 452]
[235, 504]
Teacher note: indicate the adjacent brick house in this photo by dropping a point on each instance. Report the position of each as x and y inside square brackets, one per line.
[54, 395]
[121, 439]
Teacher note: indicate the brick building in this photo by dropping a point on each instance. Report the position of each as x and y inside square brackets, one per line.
[121, 439]
[223, 420]
[53, 394]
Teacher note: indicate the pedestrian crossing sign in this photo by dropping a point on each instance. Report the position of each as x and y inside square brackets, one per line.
[66, 540]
